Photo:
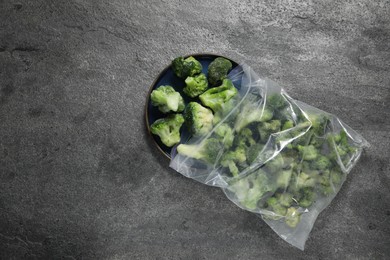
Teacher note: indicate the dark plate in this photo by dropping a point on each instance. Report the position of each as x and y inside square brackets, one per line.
[167, 77]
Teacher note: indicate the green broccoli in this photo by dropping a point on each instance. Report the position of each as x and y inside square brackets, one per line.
[309, 152]
[225, 111]
[321, 163]
[231, 158]
[319, 122]
[253, 152]
[225, 134]
[195, 85]
[292, 217]
[218, 70]
[250, 189]
[251, 113]
[244, 138]
[306, 197]
[304, 180]
[208, 150]
[277, 208]
[341, 147]
[287, 125]
[275, 164]
[277, 101]
[214, 98]
[285, 199]
[167, 99]
[168, 129]
[198, 118]
[186, 67]
[268, 128]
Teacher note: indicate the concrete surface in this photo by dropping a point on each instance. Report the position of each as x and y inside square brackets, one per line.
[79, 176]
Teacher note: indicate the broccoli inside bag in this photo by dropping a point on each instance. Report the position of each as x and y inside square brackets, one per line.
[272, 155]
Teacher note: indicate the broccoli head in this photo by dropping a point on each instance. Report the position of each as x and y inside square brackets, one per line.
[309, 152]
[195, 85]
[167, 99]
[198, 118]
[208, 150]
[214, 98]
[321, 163]
[277, 101]
[168, 129]
[231, 158]
[319, 122]
[218, 70]
[251, 113]
[225, 134]
[186, 67]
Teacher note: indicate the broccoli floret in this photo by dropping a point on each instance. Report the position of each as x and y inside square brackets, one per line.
[268, 128]
[167, 99]
[186, 67]
[225, 134]
[319, 122]
[277, 208]
[309, 152]
[244, 138]
[214, 98]
[275, 164]
[276, 101]
[168, 129]
[287, 125]
[304, 180]
[285, 199]
[306, 197]
[253, 152]
[250, 189]
[321, 163]
[195, 85]
[251, 113]
[218, 70]
[231, 158]
[341, 148]
[225, 109]
[208, 150]
[292, 217]
[198, 118]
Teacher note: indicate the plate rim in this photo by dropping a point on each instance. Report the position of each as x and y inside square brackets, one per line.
[162, 72]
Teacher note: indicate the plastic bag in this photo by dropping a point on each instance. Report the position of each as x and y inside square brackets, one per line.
[272, 155]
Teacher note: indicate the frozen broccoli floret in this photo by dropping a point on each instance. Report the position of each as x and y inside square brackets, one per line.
[244, 138]
[268, 128]
[321, 163]
[226, 111]
[309, 152]
[250, 189]
[277, 208]
[307, 198]
[218, 70]
[225, 134]
[329, 180]
[253, 152]
[285, 199]
[287, 125]
[167, 99]
[275, 164]
[186, 67]
[276, 101]
[251, 113]
[304, 180]
[168, 129]
[195, 85]
[341, 147]
[208, 150]
[319, 122]
[232, 158]
[214, 98]
[292, 217]
[198, 118]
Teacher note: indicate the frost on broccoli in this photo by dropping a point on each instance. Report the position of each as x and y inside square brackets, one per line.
[215, 98]
[198, 118]
[195, 85]
[167, 99]
[218, 70]
[168, 129]
[186, 67]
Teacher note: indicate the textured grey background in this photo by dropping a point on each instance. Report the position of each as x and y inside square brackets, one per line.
[79, 176]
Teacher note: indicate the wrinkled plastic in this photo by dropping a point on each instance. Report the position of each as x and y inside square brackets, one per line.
[287, 171]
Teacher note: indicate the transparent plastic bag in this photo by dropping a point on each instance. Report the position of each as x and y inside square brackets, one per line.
[272, 155]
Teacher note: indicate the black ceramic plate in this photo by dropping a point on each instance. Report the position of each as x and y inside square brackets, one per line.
[167, 77]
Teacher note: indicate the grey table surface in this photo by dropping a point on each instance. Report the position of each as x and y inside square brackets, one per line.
[79, 175]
